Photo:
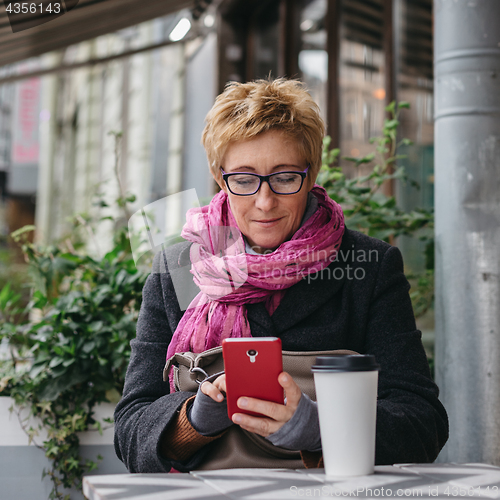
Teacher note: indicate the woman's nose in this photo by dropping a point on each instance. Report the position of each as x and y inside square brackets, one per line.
[265, 199]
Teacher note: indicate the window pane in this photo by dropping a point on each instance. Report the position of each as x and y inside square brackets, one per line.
[313, 59]
[361, 73]
[415, 85]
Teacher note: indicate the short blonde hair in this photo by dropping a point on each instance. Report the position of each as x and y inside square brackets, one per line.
[245, 110]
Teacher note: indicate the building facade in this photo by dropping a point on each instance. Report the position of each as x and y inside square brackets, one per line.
[153, 90]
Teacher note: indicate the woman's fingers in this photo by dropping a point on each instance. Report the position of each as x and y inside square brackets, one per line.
[212, 390]
[292, 390]
[274, 415]
[220, 383]
[274, 411]
[259, 425]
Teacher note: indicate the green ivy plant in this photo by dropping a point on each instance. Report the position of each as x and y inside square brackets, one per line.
[70, 346]
[76, 353]
[367, 209]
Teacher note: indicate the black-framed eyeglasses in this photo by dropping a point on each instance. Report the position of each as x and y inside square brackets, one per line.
[246, 184]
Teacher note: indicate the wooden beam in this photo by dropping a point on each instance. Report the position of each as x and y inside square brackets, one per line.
[87, 20]
[389, 69]
[289, 41]
[333, 88]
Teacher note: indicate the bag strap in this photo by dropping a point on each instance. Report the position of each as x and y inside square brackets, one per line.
[193, 361]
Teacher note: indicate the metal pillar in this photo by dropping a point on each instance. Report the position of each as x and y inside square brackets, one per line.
[467, 201]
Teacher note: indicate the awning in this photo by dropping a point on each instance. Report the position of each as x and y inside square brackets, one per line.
[87, 20]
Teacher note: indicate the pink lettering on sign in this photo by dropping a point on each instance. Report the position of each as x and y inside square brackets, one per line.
[26, 154]
[25, 148]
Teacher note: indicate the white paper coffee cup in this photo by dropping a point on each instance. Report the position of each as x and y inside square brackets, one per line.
[346, 392]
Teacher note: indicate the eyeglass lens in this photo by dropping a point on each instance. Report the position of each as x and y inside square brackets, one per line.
[281, 183]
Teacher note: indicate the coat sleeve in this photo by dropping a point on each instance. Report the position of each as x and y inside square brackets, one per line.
[146, 407]
[412, 425]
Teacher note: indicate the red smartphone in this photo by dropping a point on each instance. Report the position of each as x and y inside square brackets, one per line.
[252, 366]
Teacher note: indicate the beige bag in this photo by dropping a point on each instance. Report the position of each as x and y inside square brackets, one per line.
[238, 448]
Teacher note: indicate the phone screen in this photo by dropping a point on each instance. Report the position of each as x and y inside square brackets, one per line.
[252, 367]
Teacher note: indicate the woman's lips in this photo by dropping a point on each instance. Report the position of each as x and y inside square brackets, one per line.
[268, 222]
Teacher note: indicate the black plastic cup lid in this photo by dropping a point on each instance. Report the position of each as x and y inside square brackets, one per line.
[346, 363]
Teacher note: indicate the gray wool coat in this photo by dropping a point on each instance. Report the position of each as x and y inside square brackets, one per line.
[360, 302]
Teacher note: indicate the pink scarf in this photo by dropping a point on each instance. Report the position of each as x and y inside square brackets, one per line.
[229, 278]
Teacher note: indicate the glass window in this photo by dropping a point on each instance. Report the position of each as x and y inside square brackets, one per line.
[415, 85]
[361, 75]
[361, 68]
[313, 58]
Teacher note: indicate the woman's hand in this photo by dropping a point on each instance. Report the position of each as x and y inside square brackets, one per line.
[216, 389]
[208, 413]
[276, 415]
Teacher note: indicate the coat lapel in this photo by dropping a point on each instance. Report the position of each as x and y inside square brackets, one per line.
[300, 300]
[260, 322]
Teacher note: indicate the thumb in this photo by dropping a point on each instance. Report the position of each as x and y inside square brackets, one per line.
[292, 390]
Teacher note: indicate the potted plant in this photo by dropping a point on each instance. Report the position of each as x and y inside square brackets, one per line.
[68, 349]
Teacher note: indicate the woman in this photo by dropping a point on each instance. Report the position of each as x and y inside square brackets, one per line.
[296, 273]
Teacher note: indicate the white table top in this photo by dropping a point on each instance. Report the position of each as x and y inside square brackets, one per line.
[399, 481]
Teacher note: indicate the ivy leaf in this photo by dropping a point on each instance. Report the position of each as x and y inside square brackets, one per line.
[39, 300]
[391, 107]
[56, 361]
[90, 465]
[89, 347]
[72, 463]
[36, 370]
[74, 419]
[16, 235]
[45, 407]
[391, 124]
[52, 451]
[5, 294]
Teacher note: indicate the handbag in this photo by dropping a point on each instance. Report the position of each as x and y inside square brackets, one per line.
[238, 448]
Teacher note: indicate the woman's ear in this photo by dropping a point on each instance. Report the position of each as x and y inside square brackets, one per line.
[219, 180]
[221, 184]
[311, 181]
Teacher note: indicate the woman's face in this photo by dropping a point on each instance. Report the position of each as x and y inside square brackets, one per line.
[265, 218]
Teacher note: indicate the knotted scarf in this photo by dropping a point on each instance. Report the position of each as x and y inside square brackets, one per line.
[229, 278]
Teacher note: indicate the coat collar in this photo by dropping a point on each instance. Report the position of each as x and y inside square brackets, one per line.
[300, 300]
